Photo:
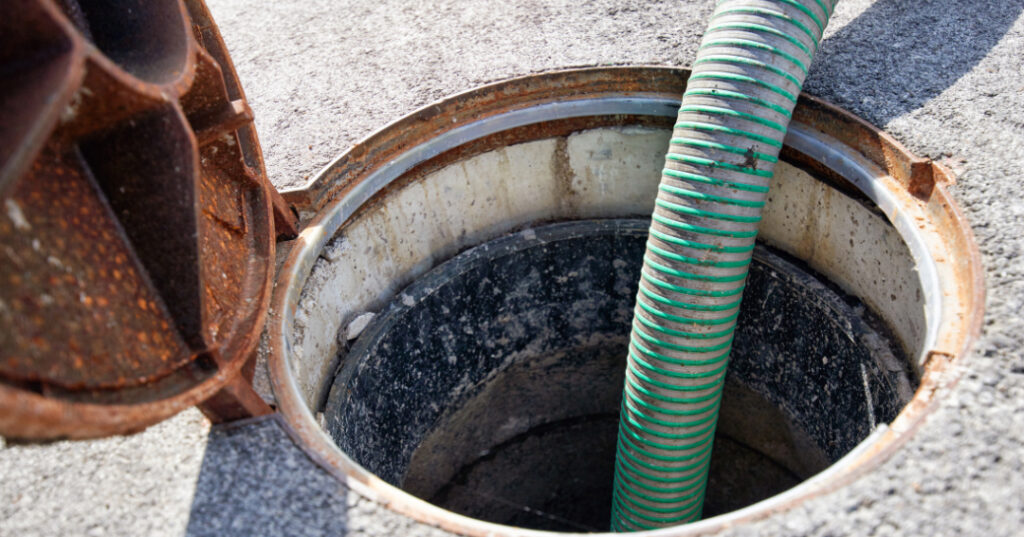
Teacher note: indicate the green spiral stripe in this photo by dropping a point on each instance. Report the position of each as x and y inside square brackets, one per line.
[810, 14]
[825, 10]
[683, 500]
[747, 61]
[631, 367]
[737, 96]
[721, 359]
[633, 460]
[677, 174]
[687, 320]
[694, 261]
[641, 502]
[690, 291]
[675, 400]
[667, 447]
[704, 144]
[653, 499]
[673, 387]
[746, 43]
[700, 229]
[814, 18]
[692, 335]
[659, 519]
[699, 277]
[700, 453]
[699, 161]
[668, 411]
[632, 499]
[769, 13]
[686, 305]
[648, 430]
[676, 333]
[695, 490]
[760, 28]
[660, 489]
[678, 374]
[616, 512]
[633, 492]
[690, 211]
[702, 246]
[679, 361]
[732, 131]
[659, 479]
[636, 413]
[722, 75]
[717, 110]
[708, 197]
[683, 348]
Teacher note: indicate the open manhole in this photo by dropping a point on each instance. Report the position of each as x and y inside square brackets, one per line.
[498, 235]
[491, 386]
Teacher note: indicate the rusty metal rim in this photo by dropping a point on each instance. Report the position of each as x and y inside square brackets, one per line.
[870, 148]
[806, 141]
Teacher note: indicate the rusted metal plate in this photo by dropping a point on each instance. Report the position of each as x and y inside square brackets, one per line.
[67, 277]
[137, 229]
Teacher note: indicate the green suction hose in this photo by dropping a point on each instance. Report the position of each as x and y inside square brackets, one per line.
[735, 111]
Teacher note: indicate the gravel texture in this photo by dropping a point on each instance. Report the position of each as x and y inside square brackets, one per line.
[944, 76]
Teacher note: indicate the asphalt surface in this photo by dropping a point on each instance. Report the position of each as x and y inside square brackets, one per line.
[944, 76]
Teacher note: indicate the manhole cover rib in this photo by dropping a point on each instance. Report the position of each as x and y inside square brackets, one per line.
[137, 233]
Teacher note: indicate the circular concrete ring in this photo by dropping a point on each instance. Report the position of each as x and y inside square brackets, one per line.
[828, 142]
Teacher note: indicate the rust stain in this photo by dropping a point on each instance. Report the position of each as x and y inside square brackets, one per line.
[137, 236]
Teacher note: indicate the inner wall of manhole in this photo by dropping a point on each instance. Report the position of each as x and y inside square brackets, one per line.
[491, 385]
[451, 325]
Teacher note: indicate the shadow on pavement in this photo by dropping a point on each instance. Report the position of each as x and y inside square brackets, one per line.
[255, 481]
[898, 54]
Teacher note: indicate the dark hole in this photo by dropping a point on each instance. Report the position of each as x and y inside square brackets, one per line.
[491, 386]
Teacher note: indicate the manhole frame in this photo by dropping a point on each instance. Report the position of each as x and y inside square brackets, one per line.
[913, 195]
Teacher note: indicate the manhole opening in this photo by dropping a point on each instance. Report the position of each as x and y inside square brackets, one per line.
[858, 236]
[491, 385]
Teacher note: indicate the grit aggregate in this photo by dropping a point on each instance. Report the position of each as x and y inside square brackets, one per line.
[943, 76]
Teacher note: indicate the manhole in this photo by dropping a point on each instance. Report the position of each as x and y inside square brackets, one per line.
[491, 386]
[861, 241]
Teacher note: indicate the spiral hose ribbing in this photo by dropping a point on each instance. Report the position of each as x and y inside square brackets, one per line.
[737, 106]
